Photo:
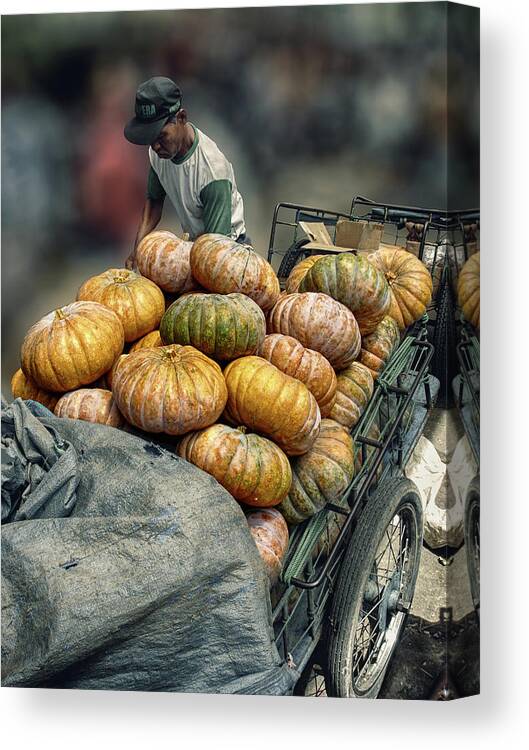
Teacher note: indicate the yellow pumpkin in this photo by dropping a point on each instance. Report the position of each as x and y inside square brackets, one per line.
[172, 389]
[164, 258]
[353, 390]
[23, 387]
[321, 475]
[264, 399]
[72, 346]
[378, 347]
[137, 301]
[409, 281]
[270, 534]
[253, 469]
[150, 339]
[468, 293]
[299, 271]
[224, 266]
[318, 322]
[91, 405]
[307, 365]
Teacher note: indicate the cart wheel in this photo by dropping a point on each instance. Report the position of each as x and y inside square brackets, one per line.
[472, 538]
[375, 590]
[311, 684]
[292, 256]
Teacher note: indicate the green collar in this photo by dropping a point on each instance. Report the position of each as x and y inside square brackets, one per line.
[188, 154]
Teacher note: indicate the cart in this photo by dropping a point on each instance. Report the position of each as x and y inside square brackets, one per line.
[441, 240]
[466, 388]
[350, 571]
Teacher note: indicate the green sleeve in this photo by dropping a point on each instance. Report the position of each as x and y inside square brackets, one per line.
[155, 189]
[216, 202]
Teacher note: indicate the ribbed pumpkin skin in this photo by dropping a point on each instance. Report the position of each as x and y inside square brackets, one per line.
[164, 258]
[253, 469]
[23, 387]
[223, 326]
[108, 377]
[353, 391]
[171, 389]
[137, 301]
[91, 405]
[409, 281]
[318, 322]
[150, 339]
[353, 281]
[270, 534]
[299, 271]
[378, 347]
[72, 346]
[307, 365]
[322, 475]
[468, 293]
[266, 400]
[224, 266]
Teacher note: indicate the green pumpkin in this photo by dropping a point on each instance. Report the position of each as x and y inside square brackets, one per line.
[222, 326]
[321, 475]
[353, 281]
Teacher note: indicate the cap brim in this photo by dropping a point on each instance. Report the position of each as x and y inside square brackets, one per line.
[143, 133]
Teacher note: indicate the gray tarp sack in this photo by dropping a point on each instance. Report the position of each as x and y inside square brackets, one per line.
[125, 568]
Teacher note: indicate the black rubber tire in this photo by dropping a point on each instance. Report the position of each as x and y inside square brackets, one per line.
[393, 495]
[293, 255]
[472, 507]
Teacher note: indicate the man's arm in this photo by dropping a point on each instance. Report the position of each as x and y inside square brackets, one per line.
[151, 215]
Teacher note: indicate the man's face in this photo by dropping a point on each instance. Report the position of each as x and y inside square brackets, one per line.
[171, 139]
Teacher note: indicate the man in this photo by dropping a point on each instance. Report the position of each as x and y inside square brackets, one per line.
[186, 165]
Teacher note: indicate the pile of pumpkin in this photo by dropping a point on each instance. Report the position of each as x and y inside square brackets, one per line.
[261, 387]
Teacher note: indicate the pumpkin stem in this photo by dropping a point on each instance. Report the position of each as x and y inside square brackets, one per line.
[119, 279]
[242, 428]
[59, 314]
[390, 276]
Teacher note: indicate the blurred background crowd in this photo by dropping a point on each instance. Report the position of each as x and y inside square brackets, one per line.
[310, 104]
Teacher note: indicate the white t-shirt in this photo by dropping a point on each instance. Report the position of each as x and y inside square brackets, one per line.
[184, 182]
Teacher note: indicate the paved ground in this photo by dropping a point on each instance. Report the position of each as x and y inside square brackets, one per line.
[420, 658]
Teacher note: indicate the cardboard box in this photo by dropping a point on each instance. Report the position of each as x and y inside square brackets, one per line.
[351, 236]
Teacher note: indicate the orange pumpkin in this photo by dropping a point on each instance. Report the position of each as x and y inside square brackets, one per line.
[353, 391]
[378, 347]
[353, 281]
[171, 389]
[72, 346]
[322, 475]
[137, 301]
[409, 281]
[150, 339]
[23, 387]
[318, 322]
[164, 258]
[468, 292]
[253, 469]
[299, 271]
[108, 377]
[270, 534]
[266, 400]
[307, 365]
[91, 405]
[224, 266]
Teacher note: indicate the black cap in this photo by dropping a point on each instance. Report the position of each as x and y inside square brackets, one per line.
[156, 100]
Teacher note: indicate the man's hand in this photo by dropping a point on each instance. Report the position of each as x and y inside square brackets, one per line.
[130, 263]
